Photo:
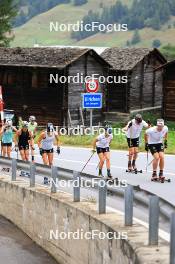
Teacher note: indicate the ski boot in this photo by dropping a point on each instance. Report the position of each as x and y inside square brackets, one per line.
[129, 167]
[154, 176]
[134, 168]
[100, 173]
[161, 177]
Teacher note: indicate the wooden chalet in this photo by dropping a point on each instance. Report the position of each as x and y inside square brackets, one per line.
[143, 89]
[168, 72]
[25, 78]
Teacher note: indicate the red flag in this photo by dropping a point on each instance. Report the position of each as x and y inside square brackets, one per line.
[1, 105]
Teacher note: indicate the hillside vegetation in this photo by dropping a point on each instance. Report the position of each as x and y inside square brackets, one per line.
[36, 30]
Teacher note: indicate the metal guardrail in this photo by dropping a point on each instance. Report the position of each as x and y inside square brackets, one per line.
[157, 207]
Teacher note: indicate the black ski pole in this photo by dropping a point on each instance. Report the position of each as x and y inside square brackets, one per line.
[87, 162]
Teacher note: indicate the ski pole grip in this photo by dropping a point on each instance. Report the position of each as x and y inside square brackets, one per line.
[14, 168]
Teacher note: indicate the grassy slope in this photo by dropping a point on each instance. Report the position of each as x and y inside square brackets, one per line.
[37, 29]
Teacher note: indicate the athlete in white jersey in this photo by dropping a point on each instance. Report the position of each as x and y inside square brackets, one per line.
[102, 146]
[46, 143]
[133, 132]
[156, 141]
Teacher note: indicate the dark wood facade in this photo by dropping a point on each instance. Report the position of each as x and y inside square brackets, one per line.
[144, 88]
[169, 90]
[24, 76]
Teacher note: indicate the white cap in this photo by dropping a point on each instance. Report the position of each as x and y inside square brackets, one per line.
[160, 122]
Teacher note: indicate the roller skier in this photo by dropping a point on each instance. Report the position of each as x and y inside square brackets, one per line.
[45, 143]
[7, 140]
[23, 141]
[133, 132]
[102, 145]
[156, 142]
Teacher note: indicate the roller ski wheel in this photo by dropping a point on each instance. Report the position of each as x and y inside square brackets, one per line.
[154, 179]
[136, 171]
[6, 169]
[46, 180]
[163, 179]
[24, 174]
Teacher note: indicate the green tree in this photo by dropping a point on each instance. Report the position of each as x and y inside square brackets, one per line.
[156, 43]
[136, 37]
[7, 13]
[79, 2]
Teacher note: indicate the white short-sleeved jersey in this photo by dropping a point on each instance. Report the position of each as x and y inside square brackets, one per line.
[155, 136]
[135, 130]
[103, 142]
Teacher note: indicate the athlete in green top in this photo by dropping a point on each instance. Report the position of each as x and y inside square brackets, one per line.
[32, 128]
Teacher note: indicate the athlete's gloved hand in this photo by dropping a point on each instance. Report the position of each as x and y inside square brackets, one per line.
[93, 151]
[130, 125]
[16, 148]
[58, 150]
[165, 144]
[146, 147]
[41, 151]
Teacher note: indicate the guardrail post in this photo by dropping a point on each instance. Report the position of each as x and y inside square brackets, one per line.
[76, 186]
[129, 198]
[14, 168]
[172, 240]
[53, 179]
[102, 195]
[153, 220]
[32, 174]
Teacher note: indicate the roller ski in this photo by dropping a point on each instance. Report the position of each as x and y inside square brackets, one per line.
[100, 174]
[160, 179]
[46, 181]
[6, 169]
[110, 179]
[133, 169]
[24, 174]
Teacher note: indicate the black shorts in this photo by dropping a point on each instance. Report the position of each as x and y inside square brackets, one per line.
[133, 142]
[6, 144]
[156, 148]
[102, 150]
[47, 150]
[23, 147]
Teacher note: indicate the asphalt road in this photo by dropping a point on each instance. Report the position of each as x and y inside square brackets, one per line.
[18, 248]
[75, 158]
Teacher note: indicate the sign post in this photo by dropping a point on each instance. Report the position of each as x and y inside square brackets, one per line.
[92, 100]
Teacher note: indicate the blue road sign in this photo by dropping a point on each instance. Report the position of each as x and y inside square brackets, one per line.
[92, 100]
